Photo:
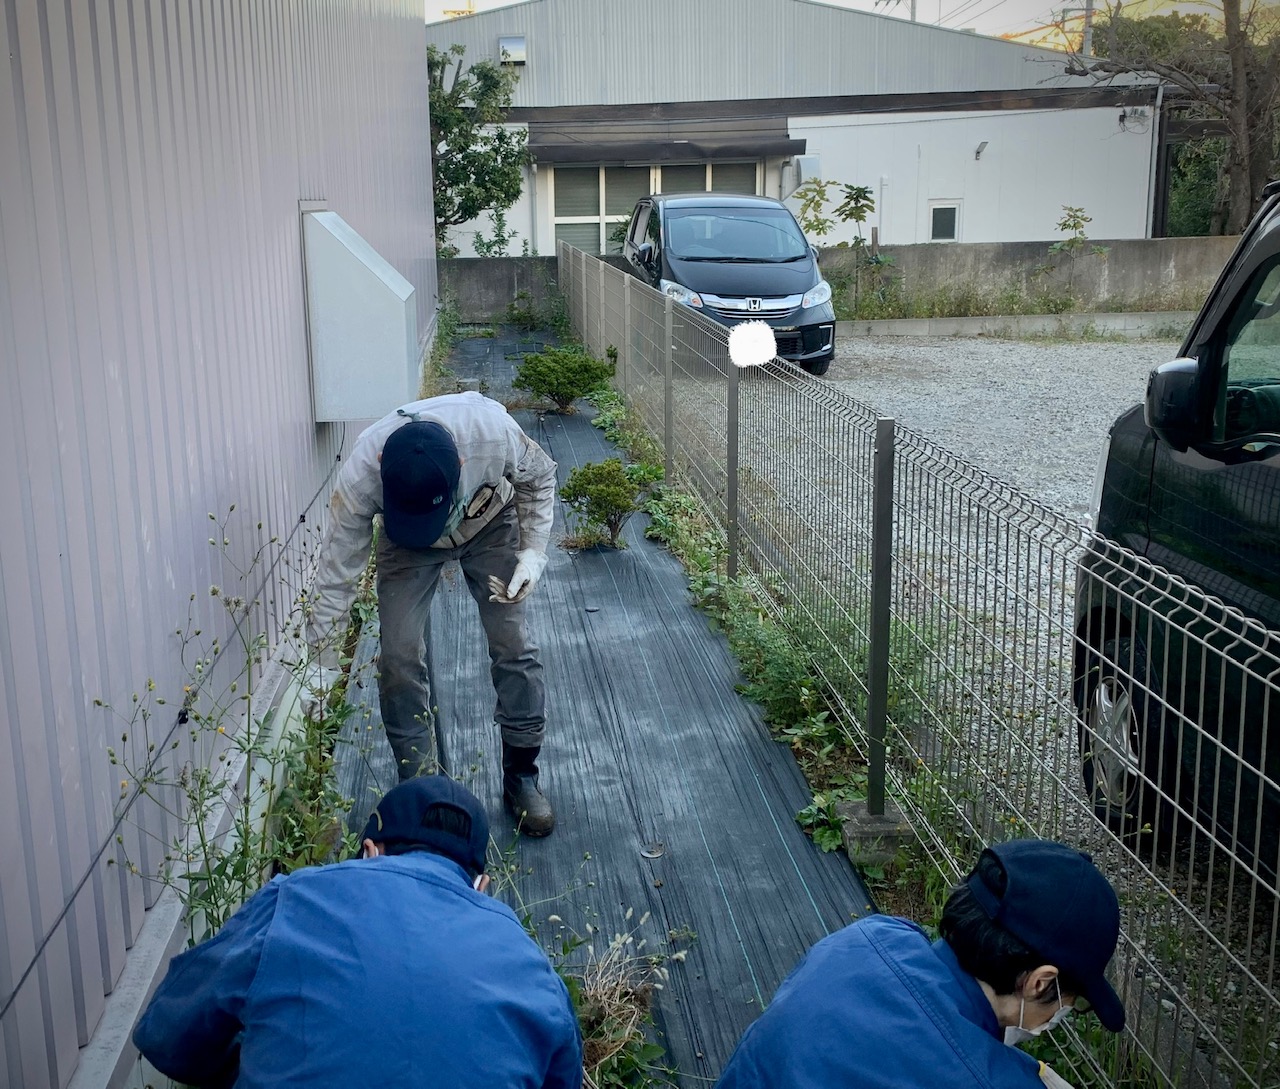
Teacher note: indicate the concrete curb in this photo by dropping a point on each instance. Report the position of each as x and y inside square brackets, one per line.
[1171, 324]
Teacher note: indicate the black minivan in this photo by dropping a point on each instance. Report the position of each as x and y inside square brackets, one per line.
[737, 258]
[1179, 695]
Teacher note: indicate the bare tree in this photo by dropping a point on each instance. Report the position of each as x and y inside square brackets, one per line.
[1229, 72]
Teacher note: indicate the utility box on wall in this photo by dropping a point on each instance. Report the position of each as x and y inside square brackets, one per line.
[362, 322]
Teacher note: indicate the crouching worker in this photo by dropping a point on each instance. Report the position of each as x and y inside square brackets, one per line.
[391, 970]
[1025, 942]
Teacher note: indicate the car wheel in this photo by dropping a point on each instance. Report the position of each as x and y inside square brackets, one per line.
[818, 367]
[1122, 739]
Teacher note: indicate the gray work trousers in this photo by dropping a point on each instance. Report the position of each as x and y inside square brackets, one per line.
[407, 580]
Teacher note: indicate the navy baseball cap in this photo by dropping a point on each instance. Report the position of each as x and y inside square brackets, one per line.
[434, 812]
[420, 470]
[1059, 903]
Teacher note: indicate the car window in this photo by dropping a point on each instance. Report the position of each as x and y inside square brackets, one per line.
[756, 234]
[1249, 394]
[639, 222]
[652, 234]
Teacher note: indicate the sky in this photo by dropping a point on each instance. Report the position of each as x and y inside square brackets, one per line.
[993, 17]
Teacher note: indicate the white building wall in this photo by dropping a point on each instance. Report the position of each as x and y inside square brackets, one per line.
[1034, 163]
[154, 367]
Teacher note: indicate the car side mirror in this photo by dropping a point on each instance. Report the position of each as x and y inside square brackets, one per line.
[644, 253]
[1173, 403]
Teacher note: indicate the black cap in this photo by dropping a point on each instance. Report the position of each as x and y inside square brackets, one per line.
[1059, 903]
[434, 812]
[420, 469]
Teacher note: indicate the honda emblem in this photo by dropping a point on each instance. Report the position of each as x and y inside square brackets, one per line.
[754, 304]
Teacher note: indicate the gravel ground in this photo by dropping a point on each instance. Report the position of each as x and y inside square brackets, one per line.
[1033, 413]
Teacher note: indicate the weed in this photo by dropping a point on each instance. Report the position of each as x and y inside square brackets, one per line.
[553, 314]
[271, 773]
[821, 821]
[610, 983]
[435, 374]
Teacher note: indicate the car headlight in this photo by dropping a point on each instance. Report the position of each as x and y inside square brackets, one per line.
[680, 293]
[817, 295]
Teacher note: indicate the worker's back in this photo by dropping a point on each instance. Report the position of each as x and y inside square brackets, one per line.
[394, 972]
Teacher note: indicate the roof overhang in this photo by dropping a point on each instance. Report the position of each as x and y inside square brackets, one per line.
[615, 140]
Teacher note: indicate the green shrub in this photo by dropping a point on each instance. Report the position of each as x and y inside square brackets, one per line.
[604, 494]
[562, 375]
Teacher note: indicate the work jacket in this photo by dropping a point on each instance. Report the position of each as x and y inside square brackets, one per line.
[877, 1006]
[500, 463]
[389, 972]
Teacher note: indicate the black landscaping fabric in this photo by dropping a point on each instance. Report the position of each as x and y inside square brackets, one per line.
[672, 799]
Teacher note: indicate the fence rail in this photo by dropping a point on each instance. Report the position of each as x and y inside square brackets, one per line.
[1035, 679]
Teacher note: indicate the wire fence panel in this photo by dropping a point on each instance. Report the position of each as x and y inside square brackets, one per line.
[1043, 681]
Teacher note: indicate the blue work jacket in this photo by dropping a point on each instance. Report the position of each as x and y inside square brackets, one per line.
[876, 1006]
[384, 972]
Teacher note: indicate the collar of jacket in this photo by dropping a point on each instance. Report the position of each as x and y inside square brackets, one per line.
[974, 1005]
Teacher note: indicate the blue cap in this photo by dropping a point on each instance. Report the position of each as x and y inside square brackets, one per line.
[420, 470]
[1059, 904]
[434, 812]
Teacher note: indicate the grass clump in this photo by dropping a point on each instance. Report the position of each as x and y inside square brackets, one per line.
[436, 376]
[562, 375]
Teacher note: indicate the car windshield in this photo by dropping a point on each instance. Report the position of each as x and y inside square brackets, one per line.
[734, 234]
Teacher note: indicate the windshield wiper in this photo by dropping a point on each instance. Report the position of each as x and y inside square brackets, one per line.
[741, 260]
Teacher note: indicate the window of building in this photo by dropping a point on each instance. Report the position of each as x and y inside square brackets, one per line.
[734, 178]
[592, 204]
[511, 50]
[944, 222]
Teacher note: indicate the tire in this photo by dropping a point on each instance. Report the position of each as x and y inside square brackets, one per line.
[818, 367]
[1129, 775]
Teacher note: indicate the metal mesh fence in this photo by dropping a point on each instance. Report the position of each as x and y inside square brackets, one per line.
[1041, 680]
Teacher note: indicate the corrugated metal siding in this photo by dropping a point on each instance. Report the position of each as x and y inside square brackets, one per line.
[610, 52]
[153, 351]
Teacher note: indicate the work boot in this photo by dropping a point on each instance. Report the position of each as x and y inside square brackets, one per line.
[520, 793]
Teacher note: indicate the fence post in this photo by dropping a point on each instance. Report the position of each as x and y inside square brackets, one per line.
[624, 352]
[731, 471]
[600, 322]
[668, 389]
[581, 324]
[881, 600]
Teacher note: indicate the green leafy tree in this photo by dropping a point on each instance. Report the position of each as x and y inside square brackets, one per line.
[1226, 73]
[477, 165]
[854, 204]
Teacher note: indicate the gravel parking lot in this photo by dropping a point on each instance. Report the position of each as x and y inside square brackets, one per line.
[1033, 413]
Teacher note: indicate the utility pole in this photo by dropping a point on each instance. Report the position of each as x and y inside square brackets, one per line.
[1086, 43]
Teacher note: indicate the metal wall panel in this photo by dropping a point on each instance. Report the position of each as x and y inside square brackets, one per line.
[594, 52]
[154, 365]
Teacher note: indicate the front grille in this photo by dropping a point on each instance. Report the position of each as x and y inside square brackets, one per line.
[766, 313]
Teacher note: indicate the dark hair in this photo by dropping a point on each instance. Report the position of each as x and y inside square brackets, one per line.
[984, 948]
[440, 817]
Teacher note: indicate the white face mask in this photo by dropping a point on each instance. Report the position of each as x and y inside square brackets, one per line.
[1016, 1034]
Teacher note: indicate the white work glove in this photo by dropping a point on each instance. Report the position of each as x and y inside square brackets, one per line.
[316, 682]
[1051, 1079]
[530, 563]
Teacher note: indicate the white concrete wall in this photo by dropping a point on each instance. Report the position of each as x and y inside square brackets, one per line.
[1035, 162]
